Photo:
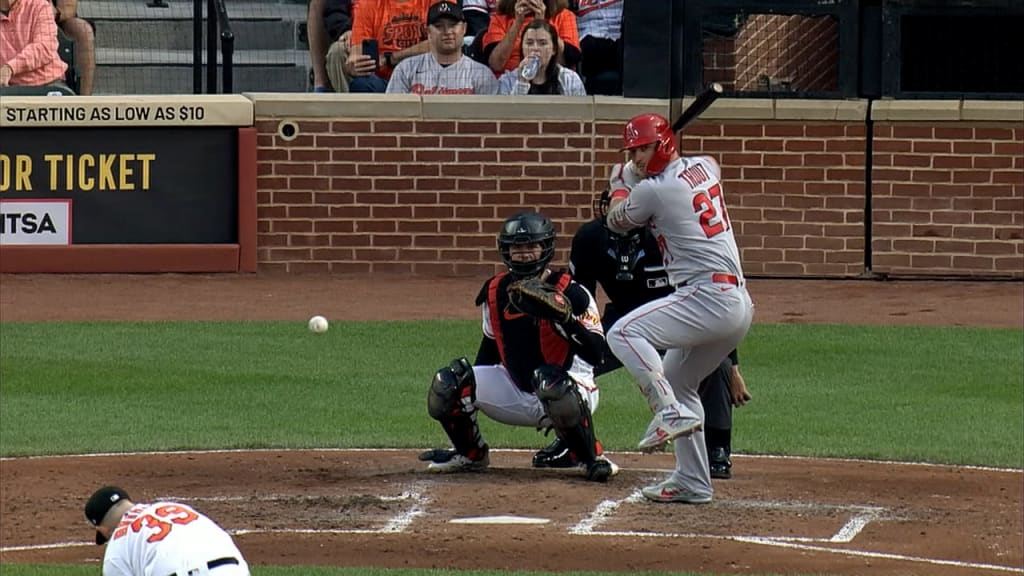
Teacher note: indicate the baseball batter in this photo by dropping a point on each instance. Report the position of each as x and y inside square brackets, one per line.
[160, 539]
[630, 271]
[529, 370]
[681, 201]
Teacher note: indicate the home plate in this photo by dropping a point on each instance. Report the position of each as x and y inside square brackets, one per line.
[499, 520]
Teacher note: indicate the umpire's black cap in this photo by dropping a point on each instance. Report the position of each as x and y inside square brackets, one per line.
[100, 503]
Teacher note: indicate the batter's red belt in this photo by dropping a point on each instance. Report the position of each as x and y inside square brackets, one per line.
[218, 562]
[716, 277]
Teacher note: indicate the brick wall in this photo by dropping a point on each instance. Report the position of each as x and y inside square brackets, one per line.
[948, 199]
[776, 51]
[421, 193]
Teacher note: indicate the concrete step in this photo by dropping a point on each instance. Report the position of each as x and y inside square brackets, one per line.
[150, 57]
[178, 10]
[177, 34]
[112, 79]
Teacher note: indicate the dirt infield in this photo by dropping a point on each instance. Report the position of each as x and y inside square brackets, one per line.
[378, 508]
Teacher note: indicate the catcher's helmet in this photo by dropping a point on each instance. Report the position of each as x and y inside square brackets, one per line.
[527, 228]
[647, 128]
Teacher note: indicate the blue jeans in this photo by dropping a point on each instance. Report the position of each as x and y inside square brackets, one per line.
[371, 83]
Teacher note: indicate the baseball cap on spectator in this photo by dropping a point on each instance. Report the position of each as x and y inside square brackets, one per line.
[100, 503]
[444, 9]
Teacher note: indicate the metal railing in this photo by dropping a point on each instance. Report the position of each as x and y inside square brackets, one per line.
[218, 25]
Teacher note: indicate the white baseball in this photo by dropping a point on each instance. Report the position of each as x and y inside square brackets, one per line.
[318, 324]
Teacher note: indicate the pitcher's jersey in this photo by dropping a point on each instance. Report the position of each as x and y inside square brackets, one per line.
[165, 538]
[684, 207]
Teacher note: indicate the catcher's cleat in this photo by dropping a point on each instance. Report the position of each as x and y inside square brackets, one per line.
[719, 463]
[457, 463]
[557, 455]
[600, 470]
[672, 490]
[667, 425]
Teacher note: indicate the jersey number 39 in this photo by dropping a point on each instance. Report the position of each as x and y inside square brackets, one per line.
[160, 521]
[713, 220]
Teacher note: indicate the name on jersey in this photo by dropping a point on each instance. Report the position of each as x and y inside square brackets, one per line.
[421, 89]
[695, 175]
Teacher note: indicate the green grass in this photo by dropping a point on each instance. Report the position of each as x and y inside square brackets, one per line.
[948, 395]
[52, 570]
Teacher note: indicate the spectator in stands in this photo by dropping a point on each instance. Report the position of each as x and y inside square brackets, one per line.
[541, 40]
[28, 45]
[444, 69]
[478, 16]
[501, 42]
[398, 26]
[600, 27]
[329, 19]
[81, 32]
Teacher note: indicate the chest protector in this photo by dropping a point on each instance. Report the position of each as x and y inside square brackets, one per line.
[520, 337]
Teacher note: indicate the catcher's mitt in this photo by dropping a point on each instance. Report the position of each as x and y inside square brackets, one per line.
[541, 300]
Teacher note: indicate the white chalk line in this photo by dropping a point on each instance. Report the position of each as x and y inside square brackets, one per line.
[602, 512]
[509, 450]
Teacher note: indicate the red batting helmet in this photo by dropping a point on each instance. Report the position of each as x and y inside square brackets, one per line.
[647, 128]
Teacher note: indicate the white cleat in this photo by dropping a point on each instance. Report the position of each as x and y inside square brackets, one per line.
[667, 425]
[672, 490]
[459, 463]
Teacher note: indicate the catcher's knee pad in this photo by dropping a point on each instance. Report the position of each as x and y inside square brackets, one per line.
[562, 401]
[452, 391]
[567, 409]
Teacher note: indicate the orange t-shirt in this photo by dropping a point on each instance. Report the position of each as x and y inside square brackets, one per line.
[396, 24]
[564, 23]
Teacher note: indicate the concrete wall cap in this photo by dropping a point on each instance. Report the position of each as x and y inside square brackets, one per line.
[915, 110]
[993, 110]
[336, 105]
[508, 107]
[830, 110]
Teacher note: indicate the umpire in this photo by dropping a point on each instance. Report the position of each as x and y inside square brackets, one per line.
[630, 271]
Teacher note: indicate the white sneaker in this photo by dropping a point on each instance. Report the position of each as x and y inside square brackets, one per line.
[667, 425]
[673, 491]
[459, 463]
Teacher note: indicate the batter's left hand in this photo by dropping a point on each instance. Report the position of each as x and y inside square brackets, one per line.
[738, 388]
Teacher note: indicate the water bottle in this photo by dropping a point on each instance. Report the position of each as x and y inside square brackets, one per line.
[530, 69]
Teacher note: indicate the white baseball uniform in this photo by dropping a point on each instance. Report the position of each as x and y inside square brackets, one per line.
[481, 5]
[710, 311]
[600, 18]
[423, 74]
[165, 538]
[499, 398]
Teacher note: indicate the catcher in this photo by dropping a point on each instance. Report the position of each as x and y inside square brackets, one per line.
[542, 337]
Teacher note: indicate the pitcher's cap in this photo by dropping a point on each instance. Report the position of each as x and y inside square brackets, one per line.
[100, 503]
[444, 9]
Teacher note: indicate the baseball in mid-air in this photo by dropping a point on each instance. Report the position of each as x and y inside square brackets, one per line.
[318, 324]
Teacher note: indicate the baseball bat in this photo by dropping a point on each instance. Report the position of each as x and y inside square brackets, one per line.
[702, 103]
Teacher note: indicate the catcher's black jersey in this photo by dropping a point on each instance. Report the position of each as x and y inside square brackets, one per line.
[593, 261]
[523, 343]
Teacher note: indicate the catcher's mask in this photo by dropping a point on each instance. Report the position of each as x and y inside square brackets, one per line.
[600, 204]
[527, 228]
[645, 129]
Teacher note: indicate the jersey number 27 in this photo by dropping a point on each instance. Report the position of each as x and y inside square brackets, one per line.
[713, 220]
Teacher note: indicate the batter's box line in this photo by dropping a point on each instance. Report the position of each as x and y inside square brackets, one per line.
[396, 524]
[863, 516]
[866, 514]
